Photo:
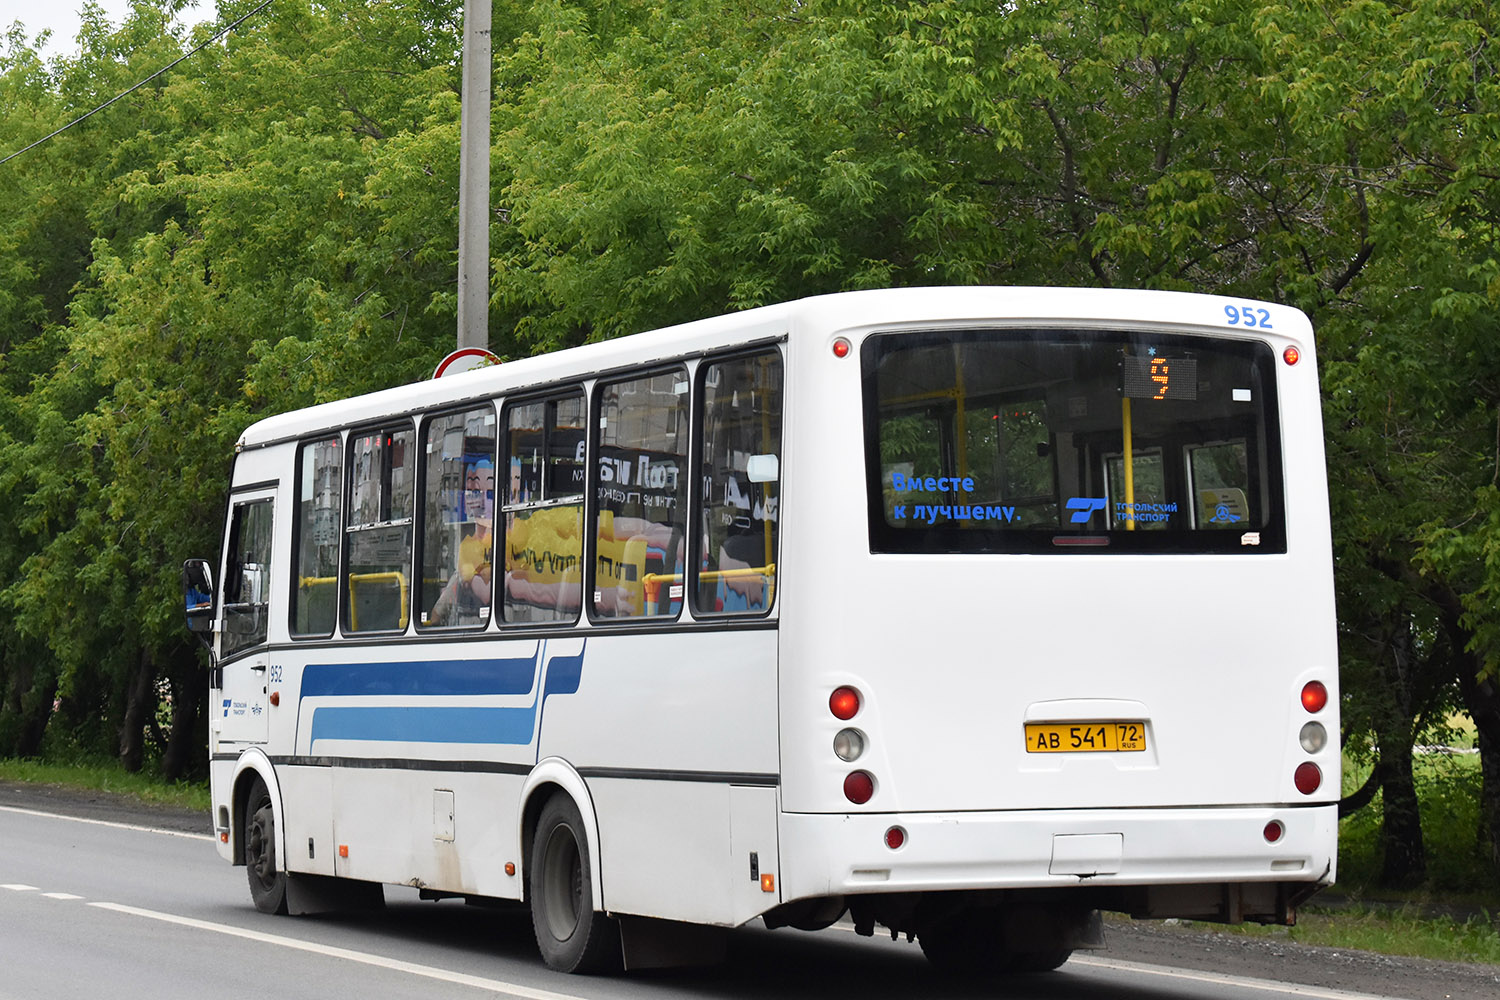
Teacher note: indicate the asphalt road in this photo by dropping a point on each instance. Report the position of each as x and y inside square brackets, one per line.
[101, 899]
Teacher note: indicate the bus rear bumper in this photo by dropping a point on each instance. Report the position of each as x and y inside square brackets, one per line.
[847, 854]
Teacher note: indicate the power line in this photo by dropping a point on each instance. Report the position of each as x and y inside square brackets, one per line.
[220, 34]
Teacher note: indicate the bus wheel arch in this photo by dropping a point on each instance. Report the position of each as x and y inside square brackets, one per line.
[571, 934]
[265, 865]
[552, 777]
[251, 766]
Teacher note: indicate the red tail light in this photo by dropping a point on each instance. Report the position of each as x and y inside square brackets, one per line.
[1314, 696]
[844, 703]
[858, 787]
[1307, 778]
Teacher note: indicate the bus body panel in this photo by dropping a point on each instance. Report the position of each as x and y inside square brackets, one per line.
[954, 653]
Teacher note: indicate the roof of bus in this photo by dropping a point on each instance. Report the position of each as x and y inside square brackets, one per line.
[843, 310]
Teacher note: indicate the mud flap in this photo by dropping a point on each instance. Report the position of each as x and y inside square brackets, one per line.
[650, 943]
[324, 894]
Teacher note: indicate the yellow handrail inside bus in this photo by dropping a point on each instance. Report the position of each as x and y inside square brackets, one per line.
[389, 576]
[652, 581]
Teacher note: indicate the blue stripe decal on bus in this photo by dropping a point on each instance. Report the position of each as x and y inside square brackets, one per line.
[422, 677]
[514, 725]
[424, 724]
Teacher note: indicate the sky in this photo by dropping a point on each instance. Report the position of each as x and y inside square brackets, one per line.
[62, 17]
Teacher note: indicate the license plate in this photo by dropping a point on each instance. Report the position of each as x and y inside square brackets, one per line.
[1085, 737]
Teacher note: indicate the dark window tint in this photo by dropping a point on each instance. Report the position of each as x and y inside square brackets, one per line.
[740, 405]
[543, 504]
[247, 577]
[1069, 441]
[642, 513]
[458, 519]
[378, 565]
[320, 494]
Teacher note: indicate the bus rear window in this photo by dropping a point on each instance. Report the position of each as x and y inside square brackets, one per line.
[1049, 441]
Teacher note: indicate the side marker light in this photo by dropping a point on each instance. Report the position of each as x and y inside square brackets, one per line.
[343, 850]
[841, 348]
[768, 883]
[1291, 355]
[510, 867]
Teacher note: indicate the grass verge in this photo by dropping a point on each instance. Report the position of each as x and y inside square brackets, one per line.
[1389, 931]
[108, 777]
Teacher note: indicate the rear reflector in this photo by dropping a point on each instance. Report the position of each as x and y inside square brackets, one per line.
[895, 837]
[1307, 778]
[858, 787]
[1273, 831]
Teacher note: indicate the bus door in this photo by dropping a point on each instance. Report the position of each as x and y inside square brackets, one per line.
[238, 694]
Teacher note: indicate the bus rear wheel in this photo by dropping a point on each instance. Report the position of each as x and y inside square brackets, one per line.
[267, 882]
[572, 937]
[973, 942]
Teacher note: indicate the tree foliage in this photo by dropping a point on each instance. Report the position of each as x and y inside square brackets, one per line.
[273, 224]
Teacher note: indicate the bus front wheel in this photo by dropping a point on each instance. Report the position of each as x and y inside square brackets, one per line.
[267, 883]
[571, 935]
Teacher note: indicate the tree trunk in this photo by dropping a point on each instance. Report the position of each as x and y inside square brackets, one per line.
[36, 711]
[1482, 699]
[1405, 856]
[189, 690]
[140, 702]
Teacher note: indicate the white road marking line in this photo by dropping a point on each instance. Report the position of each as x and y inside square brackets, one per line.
[18, 887]
[1291, 989]
[365, 958]
[105, 822]
[61, 895]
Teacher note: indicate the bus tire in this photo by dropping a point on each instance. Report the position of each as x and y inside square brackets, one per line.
[1039, 961]
[572, 937]
[267, 882]
[965, 943]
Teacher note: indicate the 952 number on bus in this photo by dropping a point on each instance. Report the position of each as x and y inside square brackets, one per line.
[1085, 737]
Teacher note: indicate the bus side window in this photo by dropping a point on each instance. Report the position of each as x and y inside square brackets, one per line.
[377, 570]
[247, 579]
[642, 490]
[320, 497]
[458, 519]
[542, 491]
[741, 418]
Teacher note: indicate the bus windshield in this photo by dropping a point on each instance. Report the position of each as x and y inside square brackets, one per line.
[1058, 440]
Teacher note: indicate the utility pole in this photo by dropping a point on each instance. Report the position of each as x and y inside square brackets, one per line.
[474, 180]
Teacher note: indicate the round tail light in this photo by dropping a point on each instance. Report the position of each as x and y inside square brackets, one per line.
[1314, 696]
[844, 703]
[858, 787]
[1307, 778]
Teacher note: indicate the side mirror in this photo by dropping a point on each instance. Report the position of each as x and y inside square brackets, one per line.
[198, 595]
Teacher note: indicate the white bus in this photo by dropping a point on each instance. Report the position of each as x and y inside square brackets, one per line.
[968, 612]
